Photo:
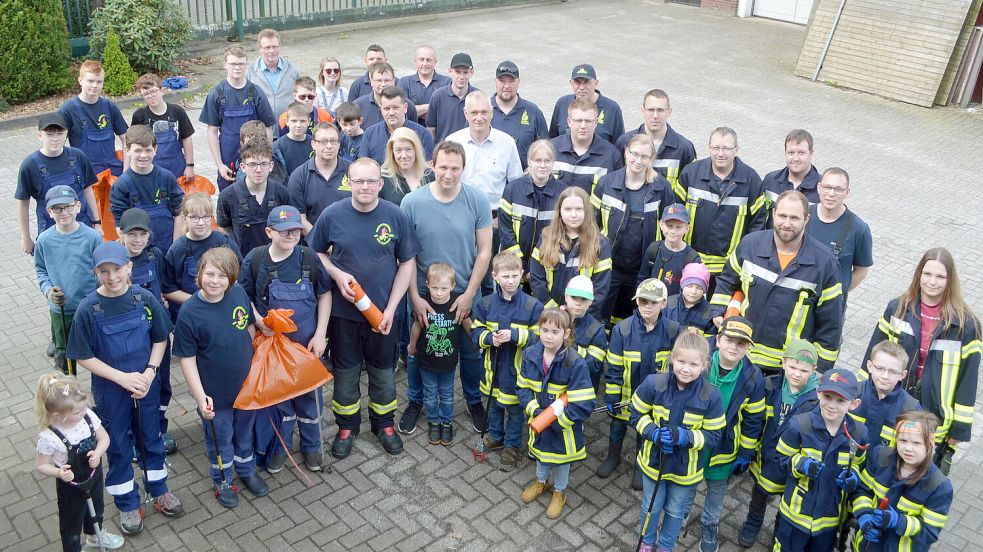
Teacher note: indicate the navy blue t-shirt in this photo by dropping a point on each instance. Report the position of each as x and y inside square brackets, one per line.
[29, 181]
[417, 93]
[351, 147]
[311, 194]
[176, 255]
[217, 335]
[288, 270]
[446, 112]
[375, 139]
[858, 245]
[81, 341]
[211, 113]
[369, 246]
[101, 114]
[255, 215]
[667, 265]
[149, 189]
[293, 153]
[372, 113]
[525, 124]
[157, 271]
[610, 122]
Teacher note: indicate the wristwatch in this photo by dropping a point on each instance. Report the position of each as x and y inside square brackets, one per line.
[189, 164]
[153, 367]
[95, 222]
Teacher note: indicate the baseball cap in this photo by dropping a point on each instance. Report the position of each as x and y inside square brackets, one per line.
[284, 217]
[110, 252]
[651, 289]
[695, 273]
[507, 68]
[48, 120]
[461, 59]
[583, 71]
[580, 286]
[134, 218]
[60, 195]
[800, 349]
[737, 327]
[676, 211]
[841, 382]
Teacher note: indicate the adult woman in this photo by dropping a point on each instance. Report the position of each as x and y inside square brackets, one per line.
[527, 203]
[405, 168]
[941, 336]
[330, 92]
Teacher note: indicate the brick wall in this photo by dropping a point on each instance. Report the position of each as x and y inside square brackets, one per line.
[723, 6]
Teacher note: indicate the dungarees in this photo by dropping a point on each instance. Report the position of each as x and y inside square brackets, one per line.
[161, 217]
[170, 152]
[249, 226]
[71, 178]
[233, 117]
[99, 144]
[147, 277]
[123, 342]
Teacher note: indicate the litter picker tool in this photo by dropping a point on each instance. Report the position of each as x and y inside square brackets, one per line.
[844, 526]
[218, 457]
[881, 506]
[86, 488]
[69, 365]
[648, 510]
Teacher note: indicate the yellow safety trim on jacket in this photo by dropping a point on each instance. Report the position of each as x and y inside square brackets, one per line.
[532, 407]
[769, 486]
[830, 293]
[383, 408]
[564, 421]
[581, 395]
[555, 389]
[506, 399]
[533, 385]
[344, 410]
[595, 352]
[935, 519]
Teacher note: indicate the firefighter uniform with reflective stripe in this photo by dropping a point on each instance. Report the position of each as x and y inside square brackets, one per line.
[520, 315]
[633, 354]
[777, 182]
[698, 316]
[548, 284]
[524, 210]
[675, 152]
[947, 387]
[924, 506]
[721, 211]
[592, 343]
[878, 415]
[585, 170]
[744, 417]
[804, 300]
[768, 473]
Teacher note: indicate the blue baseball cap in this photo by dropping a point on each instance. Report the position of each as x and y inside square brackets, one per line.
[60, 195]
[110, 252]
[583, 71]
[842, 382]
[676, 211]
[284, 217]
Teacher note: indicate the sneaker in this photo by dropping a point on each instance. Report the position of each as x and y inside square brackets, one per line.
[275, 463]
[51, 350]
[343, 442]
[447, 434]
[227, 496]
[510, 458]
[749, 534]
[479, 419]
[433, 434]
[110, 541]
[312, 461]
[256, 484]
[131, 522]
[391, 443]
[646, 548]
[491, 444]
[407, 422]
[709, 541]
[168, 504]
[170, 445]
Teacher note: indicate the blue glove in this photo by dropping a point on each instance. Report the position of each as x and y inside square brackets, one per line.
[740, 466]
[871, 531]
[887, 518]
[809, 466]
[675, 437]
[652, 432]
[610, 407]
[847, 480]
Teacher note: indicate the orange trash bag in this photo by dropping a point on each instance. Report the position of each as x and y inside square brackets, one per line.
[281, 369]
[104, 183]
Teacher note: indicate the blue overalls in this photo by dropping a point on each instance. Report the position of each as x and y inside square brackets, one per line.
[170, 151]
[99, 144]
[71, 178]
[161, 217]
[249, 225]
[233, 117]
[147, 277]
[123, 342]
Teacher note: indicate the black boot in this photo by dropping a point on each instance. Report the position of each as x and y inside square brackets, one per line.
[636, 479]
[610, 463]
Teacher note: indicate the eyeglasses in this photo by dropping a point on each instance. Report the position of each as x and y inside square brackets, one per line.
[892, 373]
[326, 143]
[543, 162]
[62, 209]
[253, 165]
[363, 183]
[582, 122]
[199, 218]
[722, 149]
[151, 92]
[288, 233]
[835, 190]
[305, 96]
[639, 156]
[237, 65]
[332, 70]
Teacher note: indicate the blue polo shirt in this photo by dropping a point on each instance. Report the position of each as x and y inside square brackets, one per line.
[292, 153]
[311, 194]
[610, 122]
[525, 124]
[418, 93]
[372, 113]
[446, 113]
[585, 170]
[360, 87]
[674, 153]
[376, 137]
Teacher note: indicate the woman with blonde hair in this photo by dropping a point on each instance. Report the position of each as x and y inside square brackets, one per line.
[527, 202]
[405, 168]
[330, 93]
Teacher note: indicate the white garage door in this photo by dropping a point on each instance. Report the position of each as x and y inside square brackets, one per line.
[793, 11]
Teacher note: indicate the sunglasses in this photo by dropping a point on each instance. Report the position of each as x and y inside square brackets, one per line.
[306, 96]
[332, 71]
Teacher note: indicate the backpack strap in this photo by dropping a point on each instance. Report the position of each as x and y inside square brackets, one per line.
[308, 263]
[844, 231]
[260, 260]
[692, 256]
[220, 94]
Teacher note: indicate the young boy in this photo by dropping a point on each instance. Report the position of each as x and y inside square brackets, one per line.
[287, 275]
[821, 453]
[690, 307]
[742, 392]
[61, 259]
[504, 325]
[305, 92]
[434, 349]
[254, 131]
[640, 345]
[171, 126]
[293, 148]
[882, 397]
[229, 105]
[244, 207]
[94, 122]
[787, 394]
[665, 259]
[588, 334]
[349, 118]
[148, 187]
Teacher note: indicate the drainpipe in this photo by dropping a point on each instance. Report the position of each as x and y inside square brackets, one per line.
[829, 39]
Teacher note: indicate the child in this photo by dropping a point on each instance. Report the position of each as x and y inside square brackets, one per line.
[588, 334]
[70, 446]
[214, 340]
[690, 307]
[349, 118]
[244, 206]
[742, 396]
[61, 259]
[254, 131]
[171, 126]
[882, 397]
[918, 494]
[287, 275]
[639, 346]
[293, 147]
[94, 122]
[787, 394]
[434, 350]
[504, 325]
[680, 414]
[666, 259]
[546, 366]
[305, 92]
[149, 187]
[821, 471]
[119, 334]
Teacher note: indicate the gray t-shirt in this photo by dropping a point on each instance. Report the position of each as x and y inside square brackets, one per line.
[447, 230]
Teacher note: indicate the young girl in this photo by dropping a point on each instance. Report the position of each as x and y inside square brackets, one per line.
[918, 494]
[70, 446]
[527, 203]
[213, 339]
[679, 413]
[330, 93]
[551, 368]
[941, 336]
[570, 245]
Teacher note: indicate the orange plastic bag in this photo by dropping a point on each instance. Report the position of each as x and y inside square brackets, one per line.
[104, 183]
[281, 369]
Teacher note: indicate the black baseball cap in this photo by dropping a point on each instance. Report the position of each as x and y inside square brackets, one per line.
[507, 68]
[461, 60]
[48, 120]
[134, 218]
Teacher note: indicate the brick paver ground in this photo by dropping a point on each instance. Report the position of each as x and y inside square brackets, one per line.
[916, 182]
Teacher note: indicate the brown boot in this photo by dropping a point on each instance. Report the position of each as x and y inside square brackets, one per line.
[555, 509]
[533, 490]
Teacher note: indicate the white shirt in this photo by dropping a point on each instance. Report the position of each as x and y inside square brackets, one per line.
[489, 165]
[50, 445]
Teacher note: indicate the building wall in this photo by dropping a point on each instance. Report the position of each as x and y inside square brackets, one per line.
[722, 6]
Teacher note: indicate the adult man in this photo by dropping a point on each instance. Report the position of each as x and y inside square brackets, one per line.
[725, 200]
[583, 82]
[446, 112]
[799, 172]
[273, 74]
[361, 86]
[582, 157]
[381, 76]
[453, 223]
[672, 150]
[392, 105]
[833, 224]
[420, 86]
[515, 116]
[791, 287]
[321, 181]
[371, 242]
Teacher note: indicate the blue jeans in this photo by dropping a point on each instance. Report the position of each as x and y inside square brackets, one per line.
[714, 501]
[234, 437]
[471, 372]
[511, 433]
[673, 499]
[403, 323]
[561, 474]
[438, 394]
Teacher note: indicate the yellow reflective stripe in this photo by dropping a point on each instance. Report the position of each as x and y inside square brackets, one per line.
[564, 420]
[755, 407]
[523, 336]
[526, 383]
[785, 449]
[615, 358]
[698, 439]
[595, 352]
[505, 398]
[383, 408]
[862, 502]
[760, 202]
[830, 293]
[642, 423]
[632, 356]
[344, 410]
[935, 519]
[715, 263]
[599, 266]
[555, 389]
[680, 191]
[515, 249]
[735, 236]
[720, 299]
[531, 407]
[505, 206]
[712, 424]
[579, 395]
[826, 354]
[762, 358]
[748, 443]
[612, 388]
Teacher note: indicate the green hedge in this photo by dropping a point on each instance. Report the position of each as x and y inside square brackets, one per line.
[34, 60]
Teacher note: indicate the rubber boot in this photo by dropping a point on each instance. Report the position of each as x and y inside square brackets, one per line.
[636, 478]
[610, 463]
[555, 509]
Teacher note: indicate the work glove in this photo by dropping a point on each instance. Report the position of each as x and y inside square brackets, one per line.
[847, 480]
[609, 402]
[652, 433]
[809, 466]
[57, 296]
[675, 437]
[887, 518]
[870, 530]
[740, 466]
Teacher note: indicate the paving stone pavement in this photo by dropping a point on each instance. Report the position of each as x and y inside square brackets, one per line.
[916, 182]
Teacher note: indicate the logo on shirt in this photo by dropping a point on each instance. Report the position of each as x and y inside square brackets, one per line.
[240, 319]
[383, 234]
[344, 187]
[525, 118]
[103, 121]
[668, 278]
[600, 117]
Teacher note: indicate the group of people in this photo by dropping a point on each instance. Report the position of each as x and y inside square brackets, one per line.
[555, 266]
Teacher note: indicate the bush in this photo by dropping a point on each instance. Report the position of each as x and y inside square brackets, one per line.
[35, 57]
[152, 33]
[120, 77]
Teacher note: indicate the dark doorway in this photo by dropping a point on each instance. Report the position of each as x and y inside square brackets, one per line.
[688, 2]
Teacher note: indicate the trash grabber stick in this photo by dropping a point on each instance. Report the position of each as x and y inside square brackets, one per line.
[844, 526]
[64, 337]
[138, 434]
[648, 510]
[218, 456]
[95, 521]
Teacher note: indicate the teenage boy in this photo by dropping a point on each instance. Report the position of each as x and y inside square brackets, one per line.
[148, 187]
[690, 308]
[244, 207]
[821, 453]
[882, 397]
[588, 334]
[94, 122]
[305, 91]
[293, 148]
[171, 126]
[350, 120]
[505, 323]
[666, 259]
[323, 180]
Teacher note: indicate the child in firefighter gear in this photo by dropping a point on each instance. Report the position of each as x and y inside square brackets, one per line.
[588, 333]
[882, 397]
[690, 307]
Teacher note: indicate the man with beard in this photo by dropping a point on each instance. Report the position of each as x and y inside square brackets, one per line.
[513, 115]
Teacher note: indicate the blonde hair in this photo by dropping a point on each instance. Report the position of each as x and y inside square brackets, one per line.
[320, 71]
[555, 241]
[221, 258]
[691, 340]
[644, 140]
[57, 394]
[506, 260]
[389, 167]
[891, 349]
[440, 269]
[558, 318]
[197, 202]
[539, 147]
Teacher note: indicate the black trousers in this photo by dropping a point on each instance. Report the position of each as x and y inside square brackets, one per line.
[73, 513]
